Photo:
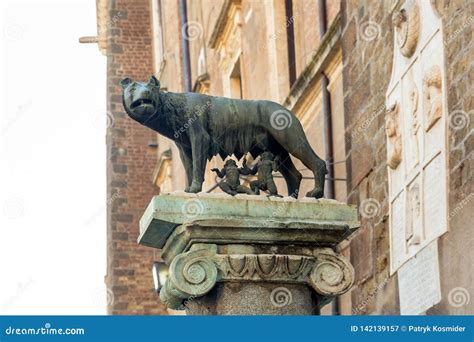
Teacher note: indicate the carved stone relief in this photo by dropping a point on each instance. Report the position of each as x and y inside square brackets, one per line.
[195, 273]
[415, 125]
[275, 267]
[413, 229]
[407, 28]
[415, 98]
[432, 96]
[392, 128]
[332, 275]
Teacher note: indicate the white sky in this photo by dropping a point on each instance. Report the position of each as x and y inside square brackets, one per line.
[52, 159]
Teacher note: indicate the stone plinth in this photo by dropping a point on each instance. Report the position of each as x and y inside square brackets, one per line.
[249, 254]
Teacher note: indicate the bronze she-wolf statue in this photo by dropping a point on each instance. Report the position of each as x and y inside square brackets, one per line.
[203, 126]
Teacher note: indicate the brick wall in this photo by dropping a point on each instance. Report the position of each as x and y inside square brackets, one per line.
[367, 70]
[130, 163]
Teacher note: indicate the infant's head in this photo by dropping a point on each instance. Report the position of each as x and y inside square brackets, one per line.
[230, 163]
[267, 156]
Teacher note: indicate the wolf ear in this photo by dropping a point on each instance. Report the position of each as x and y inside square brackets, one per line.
[154, 82]
[125, 82]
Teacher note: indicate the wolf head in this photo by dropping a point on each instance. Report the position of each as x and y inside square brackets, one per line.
[141, 99]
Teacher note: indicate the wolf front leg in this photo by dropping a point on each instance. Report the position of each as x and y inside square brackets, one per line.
[200, 147]
[187, 160]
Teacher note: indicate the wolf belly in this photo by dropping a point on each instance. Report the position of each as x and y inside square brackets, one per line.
[235, 128]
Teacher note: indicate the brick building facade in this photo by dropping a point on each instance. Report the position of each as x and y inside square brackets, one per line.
[312, 56]
[131, 158]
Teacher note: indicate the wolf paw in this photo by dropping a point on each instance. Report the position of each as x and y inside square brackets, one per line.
[316, 193]
[194, 188]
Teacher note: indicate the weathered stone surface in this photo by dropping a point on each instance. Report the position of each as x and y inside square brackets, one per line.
[255, 299]
[362, 162]
[194, 273]
[244, 214]
[228, 259]
[361, 248]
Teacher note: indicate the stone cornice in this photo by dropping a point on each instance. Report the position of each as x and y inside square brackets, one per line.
[223, 21]
[201, 85]
[247, 218]
[247, 231]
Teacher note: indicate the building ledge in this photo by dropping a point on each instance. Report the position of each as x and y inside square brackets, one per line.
[312, 72]
[222, 20]
[202, 84]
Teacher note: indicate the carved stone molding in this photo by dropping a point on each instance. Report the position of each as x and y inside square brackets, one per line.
[407, 28]
[193, 274]
[414, 130]
[268, 267]
[224, 21]
[202, 84]
[393, 132]
[332, 275]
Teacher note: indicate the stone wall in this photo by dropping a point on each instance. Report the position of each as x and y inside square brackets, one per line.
[456, 254]
[367, 44]
[130, 163]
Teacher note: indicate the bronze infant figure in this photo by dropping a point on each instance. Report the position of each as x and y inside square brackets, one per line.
[203, 126]
[231, 184]
[264, 170]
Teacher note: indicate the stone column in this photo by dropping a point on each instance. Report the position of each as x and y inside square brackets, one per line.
[249, 255]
